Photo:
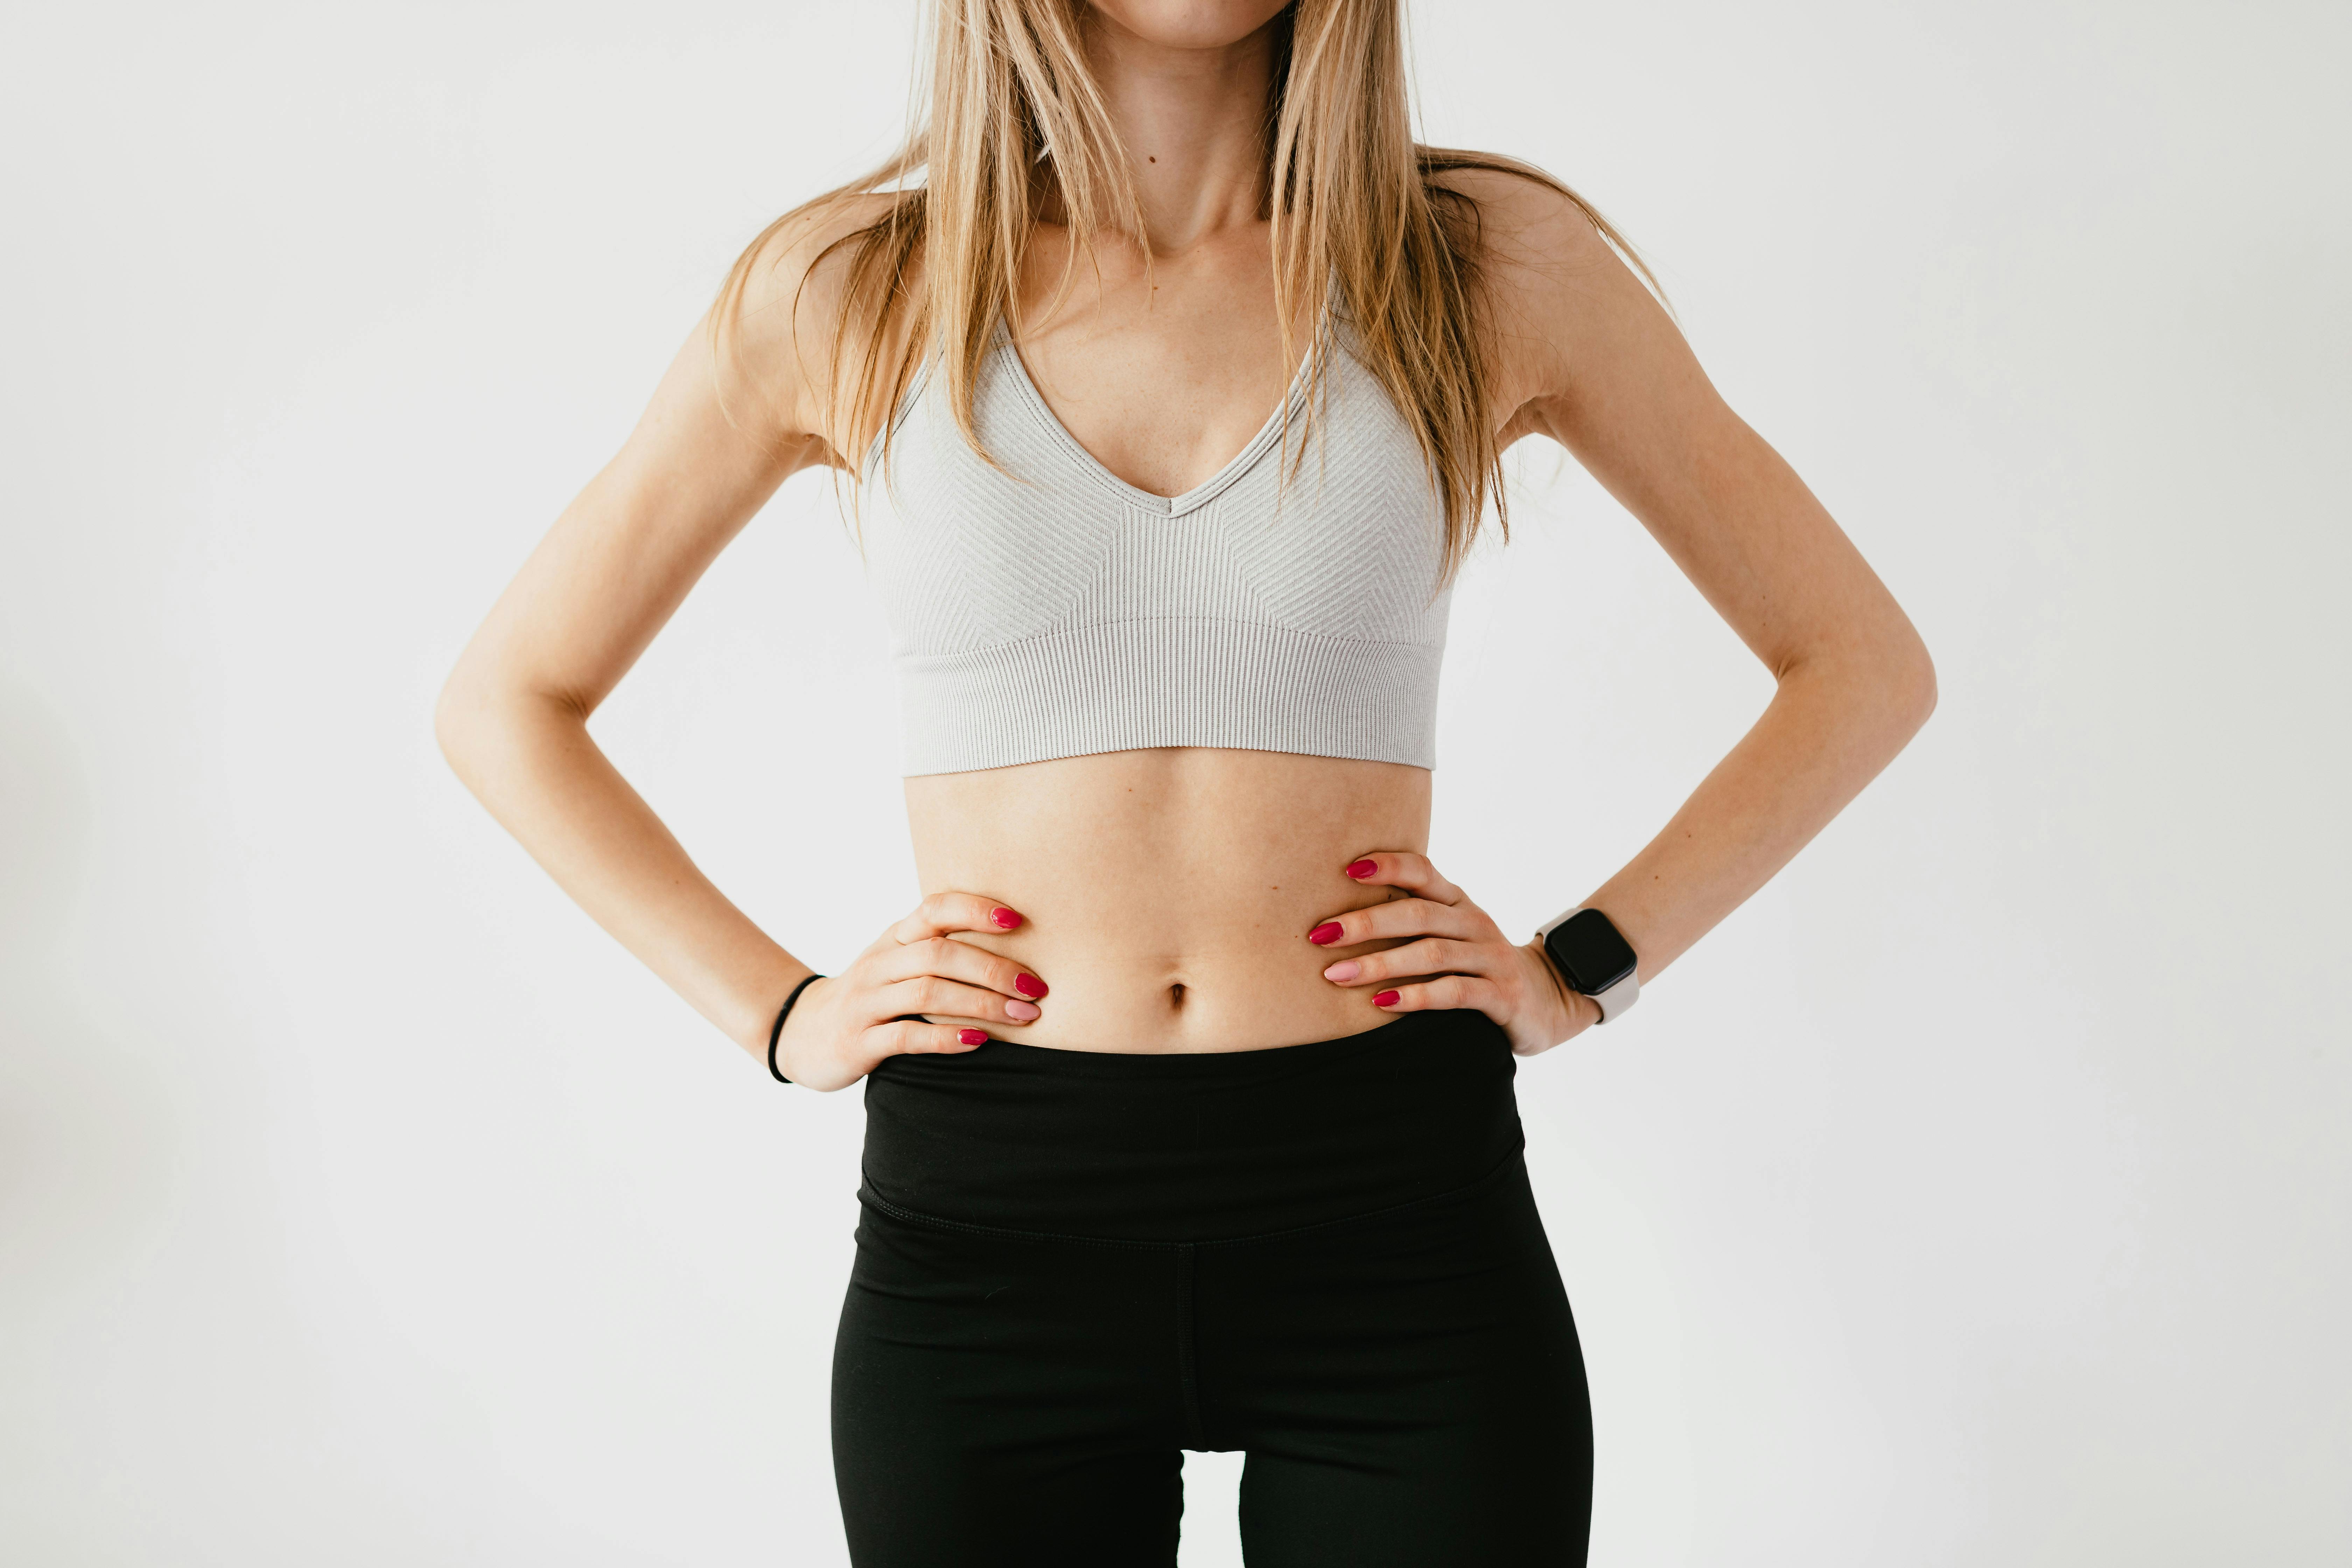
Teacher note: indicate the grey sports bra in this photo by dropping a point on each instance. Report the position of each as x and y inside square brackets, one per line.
[1053, 610]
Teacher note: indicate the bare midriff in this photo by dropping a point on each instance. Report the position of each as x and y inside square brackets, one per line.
[1167, 893]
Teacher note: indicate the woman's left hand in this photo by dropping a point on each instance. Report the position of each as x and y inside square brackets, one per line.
[1461, 957]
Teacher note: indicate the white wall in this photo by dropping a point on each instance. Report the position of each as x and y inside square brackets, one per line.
[1975, 1197]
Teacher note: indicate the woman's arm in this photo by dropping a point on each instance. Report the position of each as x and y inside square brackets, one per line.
[1586, 356]
[1605, 373]
[513, 718]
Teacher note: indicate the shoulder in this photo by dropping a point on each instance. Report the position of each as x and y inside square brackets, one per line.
[1553, 274]
[806, 300]
[1527, 232]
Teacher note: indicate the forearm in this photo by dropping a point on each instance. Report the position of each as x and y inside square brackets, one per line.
[530, 761]
[1831, 728]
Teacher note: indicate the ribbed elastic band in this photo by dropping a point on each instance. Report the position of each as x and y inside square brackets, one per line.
[1171, 682]
[1189, 1147]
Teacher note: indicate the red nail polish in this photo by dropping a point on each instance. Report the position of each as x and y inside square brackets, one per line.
[1363, 867]
[971, 1037]
[1028, 985]
[1325, 934]
[1004, 918]
[1385, 999]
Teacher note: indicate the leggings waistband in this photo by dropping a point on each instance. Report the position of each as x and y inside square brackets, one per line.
[1192, 1147]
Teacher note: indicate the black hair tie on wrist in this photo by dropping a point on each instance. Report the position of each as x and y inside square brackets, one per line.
[777, 1032]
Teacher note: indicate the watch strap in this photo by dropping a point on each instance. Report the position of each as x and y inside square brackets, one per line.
[1616, 998]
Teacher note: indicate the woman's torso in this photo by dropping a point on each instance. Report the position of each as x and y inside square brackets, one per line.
[1168, 889]
[1168, 892]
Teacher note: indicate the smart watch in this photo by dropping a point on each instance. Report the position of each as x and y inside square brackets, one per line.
[1593, 958]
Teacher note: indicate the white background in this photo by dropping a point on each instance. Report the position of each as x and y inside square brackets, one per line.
[1975, 1195]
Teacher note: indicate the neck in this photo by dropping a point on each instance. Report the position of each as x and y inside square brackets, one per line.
[1193, 122]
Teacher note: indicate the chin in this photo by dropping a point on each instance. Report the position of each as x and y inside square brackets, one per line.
[1190, 24]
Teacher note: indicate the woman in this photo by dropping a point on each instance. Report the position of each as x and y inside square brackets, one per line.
[1190, 1120]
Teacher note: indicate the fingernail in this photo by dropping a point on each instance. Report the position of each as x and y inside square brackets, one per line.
[1004, 918]
[1363, 867]
[1385, 999]
[1022, 1012]
[971, 1037]
[1325, 934]
[1028, 985]
[1343, 971]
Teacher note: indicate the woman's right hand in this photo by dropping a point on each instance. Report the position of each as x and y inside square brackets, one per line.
[845, 1024]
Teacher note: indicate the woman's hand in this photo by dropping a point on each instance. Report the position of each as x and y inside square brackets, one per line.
[845, 1024]
[1461, 959]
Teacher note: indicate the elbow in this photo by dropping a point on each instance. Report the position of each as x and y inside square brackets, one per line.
[1909, 686]
[1916, 685]
[1884, 687]
[469, 723]
[456, 724]
[482, 717]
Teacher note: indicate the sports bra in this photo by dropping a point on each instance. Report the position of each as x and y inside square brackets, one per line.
[1047, 609]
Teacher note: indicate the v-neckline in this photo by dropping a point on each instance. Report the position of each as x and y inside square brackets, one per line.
[1240, 463]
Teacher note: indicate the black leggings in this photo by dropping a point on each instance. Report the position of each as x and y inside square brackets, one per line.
[1074, 1265]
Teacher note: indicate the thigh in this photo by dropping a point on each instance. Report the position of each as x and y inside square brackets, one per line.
[1006, 1400]
[1410, 1389]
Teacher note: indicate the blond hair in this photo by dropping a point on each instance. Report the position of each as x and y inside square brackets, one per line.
[1013, 126]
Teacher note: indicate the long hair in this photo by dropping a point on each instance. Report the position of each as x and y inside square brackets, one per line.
[1009, 126]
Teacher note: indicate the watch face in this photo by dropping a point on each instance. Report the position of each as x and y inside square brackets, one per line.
[1590, 952]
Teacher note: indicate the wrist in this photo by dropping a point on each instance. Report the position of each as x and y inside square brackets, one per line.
[783, 1016]
[746, 1008]
[1581, 1012]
